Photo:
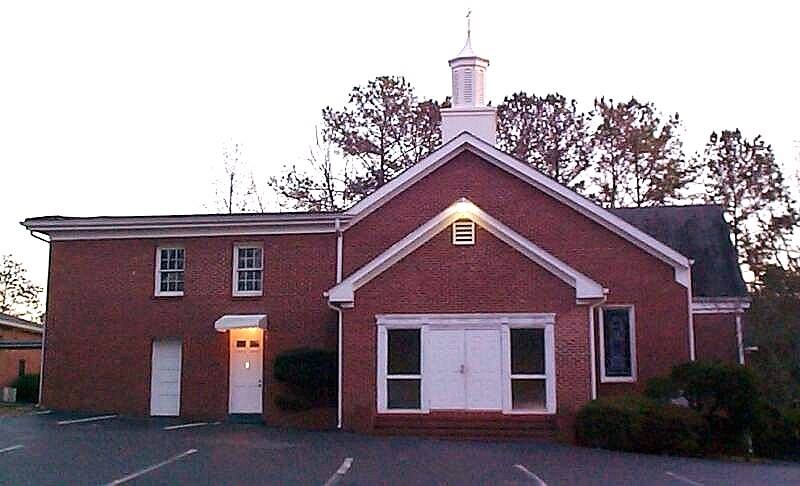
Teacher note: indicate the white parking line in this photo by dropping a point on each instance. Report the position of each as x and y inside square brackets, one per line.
[530, 475]
[683, 478]
[89, 419]
[186, 426]
[42, 412]
[152, 468]
[12, 448]
[337, 476]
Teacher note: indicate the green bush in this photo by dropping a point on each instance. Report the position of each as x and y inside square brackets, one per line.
[639, 424]
[776, 433]
[27, 388]
[309, 375]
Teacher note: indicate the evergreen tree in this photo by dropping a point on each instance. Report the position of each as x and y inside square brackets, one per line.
[639, 157]
[549, 133]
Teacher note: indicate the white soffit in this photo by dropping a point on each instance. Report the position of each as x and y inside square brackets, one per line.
[585, 287]
[493, 155]
[239, 321]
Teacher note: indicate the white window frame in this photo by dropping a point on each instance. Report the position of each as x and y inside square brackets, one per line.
[632, 324]
[235, 280]
[502, 322]
[459, 226]
[157, 288]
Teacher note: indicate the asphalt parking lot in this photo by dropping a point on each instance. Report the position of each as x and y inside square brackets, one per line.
[55, 448]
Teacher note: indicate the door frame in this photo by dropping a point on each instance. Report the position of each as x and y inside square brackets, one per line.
[502, 322]
[231, 334]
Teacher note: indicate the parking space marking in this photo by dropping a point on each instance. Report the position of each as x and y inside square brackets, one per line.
[42, 412]
[339, 474]
[12, 448]
[186, 426]
[530, 475]
[683, 478]
[88, 419]
[152, 468]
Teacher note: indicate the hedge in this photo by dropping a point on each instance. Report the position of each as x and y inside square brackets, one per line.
[639, 424]
[27, 388]
[310, 376]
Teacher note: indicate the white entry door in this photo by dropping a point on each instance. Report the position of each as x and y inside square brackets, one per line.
[463, 369]
[246, 364]
[165, 378]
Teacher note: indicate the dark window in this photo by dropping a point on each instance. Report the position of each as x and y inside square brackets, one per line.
[171, 267]
[403, 351]
[254, 344]
[403, 394]
[527, 351]
[528, 394]
[617, 343]
[21, 367]
[241, 343]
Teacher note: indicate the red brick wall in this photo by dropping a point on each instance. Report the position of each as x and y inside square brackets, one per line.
[715, 337]
[9, 358]
[441, 278]
[631, 275]
[102, 318]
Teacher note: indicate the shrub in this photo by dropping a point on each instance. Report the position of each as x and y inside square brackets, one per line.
[27, 388]
[309, 375]
[776, 433]
[640, 424]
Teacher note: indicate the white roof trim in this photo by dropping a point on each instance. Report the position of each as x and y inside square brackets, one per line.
[585, 288]
[239, 321]
[720, 305]
[504, 161]
[17, 325]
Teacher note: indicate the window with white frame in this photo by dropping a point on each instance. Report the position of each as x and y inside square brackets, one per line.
[248, 269]
[528, 369]
[403, 369]
[170, 264]
[617, 344]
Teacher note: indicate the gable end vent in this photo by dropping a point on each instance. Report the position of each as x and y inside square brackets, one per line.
[464, 233]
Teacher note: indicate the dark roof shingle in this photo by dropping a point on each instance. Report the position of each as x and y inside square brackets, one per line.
[698, 232]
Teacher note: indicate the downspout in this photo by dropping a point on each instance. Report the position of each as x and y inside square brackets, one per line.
[739, 339]
[592, 350]
[44, 321]
[338, 326]
[692, 352]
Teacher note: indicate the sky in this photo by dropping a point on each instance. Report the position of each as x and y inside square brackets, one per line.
[123, 108]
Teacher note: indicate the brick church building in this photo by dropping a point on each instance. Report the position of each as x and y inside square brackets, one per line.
[470, 294]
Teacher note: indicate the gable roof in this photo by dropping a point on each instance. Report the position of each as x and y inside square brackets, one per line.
[585, 288]
[493, 155]
[701, 233]
[17, 323]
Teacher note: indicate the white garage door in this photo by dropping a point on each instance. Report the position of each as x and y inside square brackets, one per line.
[165, 381]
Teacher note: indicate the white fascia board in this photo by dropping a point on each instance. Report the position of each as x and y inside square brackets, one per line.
[25, 327]
[177, 227]
[240, 321]
[497, 157]
[720, 305]
[585, 288]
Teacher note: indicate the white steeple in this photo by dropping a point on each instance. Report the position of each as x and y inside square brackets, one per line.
[469, 111]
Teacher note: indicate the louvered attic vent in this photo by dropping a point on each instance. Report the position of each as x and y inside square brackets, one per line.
[463, 233]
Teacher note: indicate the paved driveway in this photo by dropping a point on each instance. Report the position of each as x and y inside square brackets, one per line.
[56, 449]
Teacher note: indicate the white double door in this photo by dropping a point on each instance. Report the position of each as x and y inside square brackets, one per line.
[464, 369]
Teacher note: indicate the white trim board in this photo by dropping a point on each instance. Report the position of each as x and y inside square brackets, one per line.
[25, 327]
[585, 288]
[493, 155]
[720, 306]
[632, 343]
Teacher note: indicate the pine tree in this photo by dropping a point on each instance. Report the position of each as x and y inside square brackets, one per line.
[549, 133]
[638, 157]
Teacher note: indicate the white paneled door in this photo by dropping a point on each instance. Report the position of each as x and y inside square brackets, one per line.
[247, 371]
[463, 369]
[165, 378]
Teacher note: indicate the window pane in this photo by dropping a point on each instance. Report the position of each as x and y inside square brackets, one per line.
[527, 351]
[617, 342]
[404, 351]
[403, 394]
[528, 394]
